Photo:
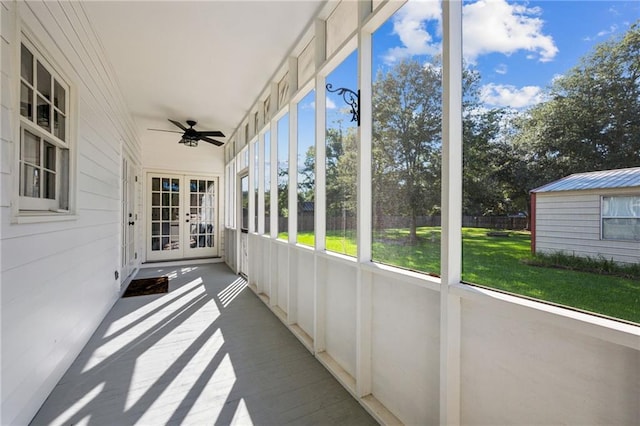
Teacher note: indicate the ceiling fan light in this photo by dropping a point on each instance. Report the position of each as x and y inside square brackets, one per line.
[189, 142]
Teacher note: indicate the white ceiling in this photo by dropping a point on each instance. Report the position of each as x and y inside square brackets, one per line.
[201, 60]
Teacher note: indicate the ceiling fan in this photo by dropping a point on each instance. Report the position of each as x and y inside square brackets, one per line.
[191, 136]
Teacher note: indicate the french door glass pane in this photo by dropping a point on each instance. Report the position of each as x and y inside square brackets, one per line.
[201, 211]
[165, 214]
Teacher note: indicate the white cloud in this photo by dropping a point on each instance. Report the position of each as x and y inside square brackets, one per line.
[501, 69]
[502, 95]
[491, 26]
[410, 26]
[330, 104]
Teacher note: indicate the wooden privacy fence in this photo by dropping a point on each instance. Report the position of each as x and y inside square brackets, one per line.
[337, 223]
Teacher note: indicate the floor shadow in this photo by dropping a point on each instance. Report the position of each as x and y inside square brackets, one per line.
[207, 352]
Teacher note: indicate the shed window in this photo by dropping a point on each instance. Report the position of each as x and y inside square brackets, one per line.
[621, 218]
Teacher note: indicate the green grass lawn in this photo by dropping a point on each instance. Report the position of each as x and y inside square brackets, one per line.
[496, 262]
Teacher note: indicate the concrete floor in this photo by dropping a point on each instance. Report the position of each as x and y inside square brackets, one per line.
[208, 352]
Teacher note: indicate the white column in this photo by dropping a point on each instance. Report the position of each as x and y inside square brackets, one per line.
[451, 248]
[364, 279]
[292, 287]
[319, 286]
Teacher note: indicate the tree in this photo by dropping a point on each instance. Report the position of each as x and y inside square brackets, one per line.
[341, 172]
[406, 141]
[592, 118]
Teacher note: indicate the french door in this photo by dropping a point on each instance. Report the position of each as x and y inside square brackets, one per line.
[183, 217]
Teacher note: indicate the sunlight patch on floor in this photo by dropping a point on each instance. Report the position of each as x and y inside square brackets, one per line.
[156, 303]
[176, 374]
[232, 291]
[241, 416]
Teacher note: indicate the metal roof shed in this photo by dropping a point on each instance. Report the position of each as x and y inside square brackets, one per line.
[595, 214]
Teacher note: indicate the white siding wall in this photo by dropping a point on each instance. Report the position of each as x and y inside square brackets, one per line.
[569, 221]
[58, 278]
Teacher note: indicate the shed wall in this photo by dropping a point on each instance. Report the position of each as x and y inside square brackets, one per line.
[569, 221]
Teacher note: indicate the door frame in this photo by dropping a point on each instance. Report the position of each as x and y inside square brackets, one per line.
[129, 215]
[146, 216]
[242, 233]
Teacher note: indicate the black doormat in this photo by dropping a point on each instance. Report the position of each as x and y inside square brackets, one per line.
[143, 286]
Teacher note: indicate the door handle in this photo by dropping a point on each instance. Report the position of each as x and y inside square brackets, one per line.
[131, 223]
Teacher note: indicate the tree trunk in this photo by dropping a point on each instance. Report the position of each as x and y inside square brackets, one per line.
[413, 235]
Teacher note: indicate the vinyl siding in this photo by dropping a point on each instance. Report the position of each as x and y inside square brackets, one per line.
[58, 277]
[569, 221]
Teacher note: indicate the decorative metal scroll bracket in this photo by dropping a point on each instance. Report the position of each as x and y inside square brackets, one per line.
[351, 98]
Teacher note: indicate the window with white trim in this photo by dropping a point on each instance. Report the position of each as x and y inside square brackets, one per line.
[44, 137]
[621, 218]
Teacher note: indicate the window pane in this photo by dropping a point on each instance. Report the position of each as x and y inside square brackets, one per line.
[59, 96]
[63, 177]
[267, 182]
[551, 129]
[30, 182]
[44, 82]
[621, 229]
[341, 162]
[49, 185]
[306, 168]
[44, 114]
[26, 101]
[621, 206]
[49, 156]
[30, 152]
[26, 65]
[256, 184]
[283, 177]
[59, 125]
[407, 144]
[244, 187]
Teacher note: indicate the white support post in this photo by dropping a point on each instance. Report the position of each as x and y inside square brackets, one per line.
[320, 274]
[364, 279]
[451, 247]
[293, 153]
[273, 230]
[261, 206]
[252, 204]
[292, 287]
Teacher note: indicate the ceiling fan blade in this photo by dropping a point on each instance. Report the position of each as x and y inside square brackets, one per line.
[216, 133]
[213, 141]
[163, 130]
[177, 123]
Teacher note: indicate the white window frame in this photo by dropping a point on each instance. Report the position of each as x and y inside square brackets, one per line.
[29, 209]
[603, 217]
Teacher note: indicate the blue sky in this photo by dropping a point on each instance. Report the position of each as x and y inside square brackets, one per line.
[518, 47]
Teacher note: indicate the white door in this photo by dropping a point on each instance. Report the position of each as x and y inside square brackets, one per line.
[244, 225]
[183, 217]
[129, 220]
